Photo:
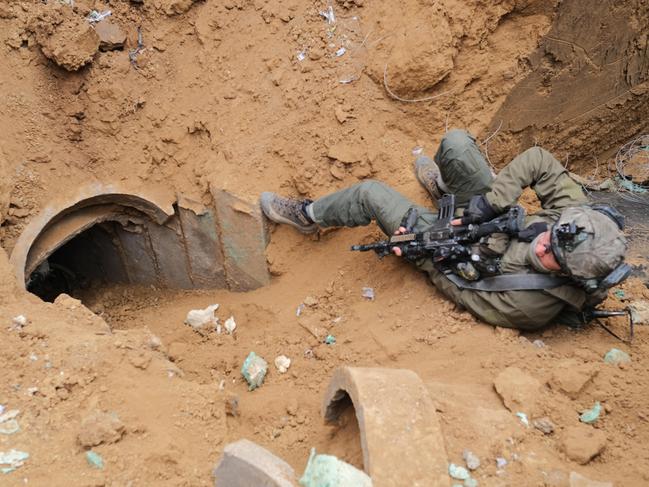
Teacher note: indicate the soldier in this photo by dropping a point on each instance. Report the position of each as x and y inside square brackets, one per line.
[575, 246]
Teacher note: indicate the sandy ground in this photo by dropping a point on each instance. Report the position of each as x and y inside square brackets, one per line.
[254, 93]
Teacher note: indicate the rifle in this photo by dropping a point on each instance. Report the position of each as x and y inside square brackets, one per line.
[445, 243]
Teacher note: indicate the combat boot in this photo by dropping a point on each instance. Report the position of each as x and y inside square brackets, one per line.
[427, 173]
[288, 210]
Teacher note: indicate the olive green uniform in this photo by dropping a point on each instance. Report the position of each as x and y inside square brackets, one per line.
[465, 172]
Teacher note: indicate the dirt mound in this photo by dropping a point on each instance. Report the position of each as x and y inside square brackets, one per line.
[66, 38]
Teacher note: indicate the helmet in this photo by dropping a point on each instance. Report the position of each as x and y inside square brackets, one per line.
[588, 242]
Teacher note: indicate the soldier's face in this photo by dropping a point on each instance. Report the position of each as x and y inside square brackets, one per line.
[543, 251]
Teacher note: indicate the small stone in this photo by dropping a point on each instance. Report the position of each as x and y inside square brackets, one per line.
[616, 357]
[310, 301]
[282, 363]
[501, 462]
[457, 472]
[471, 459]
[518, 390]
[538, 343]
[230, 325]
[368, 293]
[544, 425]
[94, 459]
[111, 36]
[591, 415]
[100, 427]
[254, 370]
[583, 443]
[19, 321]
[330, 340]
[200, 318]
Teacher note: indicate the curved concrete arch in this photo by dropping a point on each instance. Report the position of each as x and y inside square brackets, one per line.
[92, 204]
[401, 437]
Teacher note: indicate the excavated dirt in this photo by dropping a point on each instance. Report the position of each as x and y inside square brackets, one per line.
[252, 93]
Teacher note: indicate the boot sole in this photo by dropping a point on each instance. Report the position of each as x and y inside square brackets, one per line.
[266, 206]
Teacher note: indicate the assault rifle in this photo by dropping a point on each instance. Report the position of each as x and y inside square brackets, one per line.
[445, 243]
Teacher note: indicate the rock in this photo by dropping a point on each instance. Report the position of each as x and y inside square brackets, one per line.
[591, 415]
[556, 478]
[230, 325]
[544, 425]
[324, 470]
[582, 443]
[111, 36]
[346, 153]
[100, 427]
[282, 362]
[254, 370]
[578, 480]
[518, 390]
[292, 407]
[457, 472]
[616, 357]
[202, 318]
[571, 377]
[94, 459]
[471, 459]
[68, 40]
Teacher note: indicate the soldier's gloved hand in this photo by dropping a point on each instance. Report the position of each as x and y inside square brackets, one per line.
[479, 210]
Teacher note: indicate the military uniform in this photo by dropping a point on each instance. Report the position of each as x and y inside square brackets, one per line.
[464, 172]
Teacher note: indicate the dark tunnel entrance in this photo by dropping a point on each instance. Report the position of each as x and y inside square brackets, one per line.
[90, 259]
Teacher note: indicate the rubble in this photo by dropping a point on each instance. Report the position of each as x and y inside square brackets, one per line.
[582, 443]
[111, 36]
[518, 390]
[100, 427]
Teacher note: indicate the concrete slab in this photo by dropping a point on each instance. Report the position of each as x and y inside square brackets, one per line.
[401, 437]
[168, 246]
[246, 464]
[203, 247]
[243, 240]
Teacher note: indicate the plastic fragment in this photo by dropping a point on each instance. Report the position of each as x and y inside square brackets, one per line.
[13, 458]
[299, 309]
[94, 459]
[198, 318]
[341, 51]
[301, 56]
[327, 470]
[471, 459]
[330, 340]
[94, 16]
[329, 15]
[347, 80]
[501, 462]
[616, 356]
[591, 415]
[368, 293]
[457, 472]
[230, 325]
[254, 370]
[523, 418]
[282, 362]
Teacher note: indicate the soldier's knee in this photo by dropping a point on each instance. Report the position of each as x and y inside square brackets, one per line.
[369, 186]
[457, 138]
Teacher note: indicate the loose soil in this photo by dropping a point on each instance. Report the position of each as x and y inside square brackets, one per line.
[253, 93]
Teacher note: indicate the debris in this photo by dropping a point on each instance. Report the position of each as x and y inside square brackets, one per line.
[111, 37]
[198, 318]
[523, 418]
[345, 153]
[471, 459]
[518, 390]
[94, 459]
[457, 472]
[341, 51]
[348, 79]
[301, 56]
[368, 293]
[18, 322]
[132, 54]
[329, 15]
[417, 151]
[620, 294]
[591, 415]
[100, 427]
[582, 443]
[231, 404]
[299, 309]
[327, 470]
[615, 356]
[254, 370]
[13, 458]
[2, 409]
[330, 340]
[538, 343]
[32, 391]
[282, 362]
[9, 427]
[310, 301]
[501, 462]
[308, 353]
[94, 16]
[230, 325]
[577, 480]
[544, 425]
[11, 414]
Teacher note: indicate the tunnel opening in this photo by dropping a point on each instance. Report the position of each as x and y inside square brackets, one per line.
[121, 238]
[89, 260]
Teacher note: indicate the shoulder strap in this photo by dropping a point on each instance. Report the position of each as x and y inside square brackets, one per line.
[510, 282]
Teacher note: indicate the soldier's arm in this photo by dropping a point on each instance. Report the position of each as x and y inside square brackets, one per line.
[538, 169]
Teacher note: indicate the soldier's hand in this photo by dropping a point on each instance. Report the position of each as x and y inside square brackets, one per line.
[396, 250]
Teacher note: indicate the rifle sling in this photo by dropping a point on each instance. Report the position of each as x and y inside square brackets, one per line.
[510, 282]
